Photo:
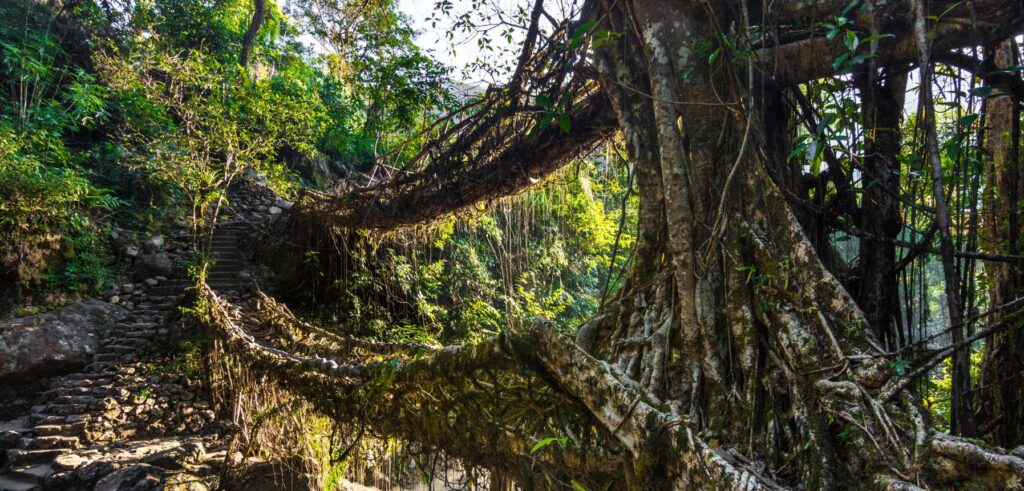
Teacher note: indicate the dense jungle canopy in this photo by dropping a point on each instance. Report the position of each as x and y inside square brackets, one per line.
[636, 244]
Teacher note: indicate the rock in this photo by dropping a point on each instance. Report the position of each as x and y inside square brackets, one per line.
[154, 244]
[152, 282]
[161, 278]
[149, 265]
[1018, 452]
[9, 439]
[285, 204]
[274, 210]
[178, 458]
[138, 477]
[127, 288]
[185, 482]
[131, 251]
[70, 462]
[114, 300]
[54, 342]
[94, 470]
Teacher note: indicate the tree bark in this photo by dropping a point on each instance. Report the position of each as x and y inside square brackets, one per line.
[744, 313]
[882, 110]
[1002, 395]
[259, 10]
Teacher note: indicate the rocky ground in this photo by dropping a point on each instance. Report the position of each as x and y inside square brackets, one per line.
[134, 413]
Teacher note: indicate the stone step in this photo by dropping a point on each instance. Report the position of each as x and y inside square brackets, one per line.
[224, 275]
[170, 289]
[142, 335]
[65, 409]
[46, 419]
[50, 442]
[37, 473]
[64, 390]
[144, 314]
[101, 368]
[120, 349]
[164, 306]
[48, 430]
[19, 425]
[234, 261]
[105, 357]
[134, 334]
[148, 319]
[132, 342]
[88, 378]
[228, 239]
[19, 457]
[134, 326]
[11, 432]
[225, 263]
[98, 380]
[15, 483]
[225, 269]
[74, 399]
[228, 281]
[229, 287]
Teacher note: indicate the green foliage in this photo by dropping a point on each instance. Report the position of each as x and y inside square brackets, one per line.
[547, 253]
[195, 125]
[185, 361]
[46, 193]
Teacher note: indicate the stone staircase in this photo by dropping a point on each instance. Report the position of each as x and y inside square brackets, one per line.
[109, 400]
[91, 422]
[228, 273]
[117, 411]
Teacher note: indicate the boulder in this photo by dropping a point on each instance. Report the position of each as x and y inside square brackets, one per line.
[182, 457]
[139, 477]
[154, 244]
[185, 482]
[156, 264]
[54, 342]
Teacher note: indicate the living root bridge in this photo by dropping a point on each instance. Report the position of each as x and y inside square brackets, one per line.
[502, 395]
[489, 403]
[508, 160]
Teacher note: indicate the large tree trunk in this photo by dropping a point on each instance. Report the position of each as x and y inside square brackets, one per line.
[1002, 396]
[730, 314]
[882, 110]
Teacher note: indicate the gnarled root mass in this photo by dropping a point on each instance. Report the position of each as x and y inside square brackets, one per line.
[489, 404]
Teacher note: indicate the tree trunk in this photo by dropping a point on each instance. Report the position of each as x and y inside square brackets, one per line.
[1002, 396]
[882, 110]
[730, 315]
[961, 415]
[259, 10]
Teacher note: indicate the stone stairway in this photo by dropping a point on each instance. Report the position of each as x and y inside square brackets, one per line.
[83, 416]
[112, 399]
[228, 273]
[118, 411]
